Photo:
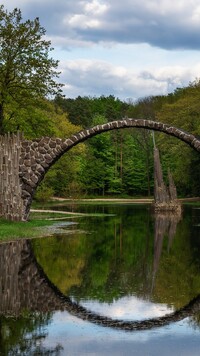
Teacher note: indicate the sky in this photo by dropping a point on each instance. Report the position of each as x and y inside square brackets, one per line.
[130, 49]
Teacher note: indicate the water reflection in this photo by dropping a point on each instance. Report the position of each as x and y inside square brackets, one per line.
[128, 268]
[22, 324]
[25, 335]
[128, 308]
[165, 225]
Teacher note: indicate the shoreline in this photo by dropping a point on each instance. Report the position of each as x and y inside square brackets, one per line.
[119, 200]
[65, 201]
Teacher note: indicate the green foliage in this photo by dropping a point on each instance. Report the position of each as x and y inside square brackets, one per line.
[112, 163]
[104, 264]
[182, 110]
[15, 230]
[98, 162]
[27, 72]
[82, 110]
[122, 161]
[44, 193]
[65, 176]
[27, 337]
[122, 255]
[78, 109]
[177, 280]
[117, 162]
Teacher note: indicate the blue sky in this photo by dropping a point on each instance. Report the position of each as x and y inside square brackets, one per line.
[130, 48]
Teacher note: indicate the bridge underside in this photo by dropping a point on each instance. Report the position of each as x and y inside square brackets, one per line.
[25, 287]
[24, 163]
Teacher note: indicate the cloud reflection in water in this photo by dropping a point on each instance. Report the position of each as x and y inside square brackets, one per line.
[128, 308]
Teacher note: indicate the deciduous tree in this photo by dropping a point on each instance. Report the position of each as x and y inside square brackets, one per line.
[27, 72]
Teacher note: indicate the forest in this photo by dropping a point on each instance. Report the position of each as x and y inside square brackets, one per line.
[117, 163]
[114, 163]
[120, 162]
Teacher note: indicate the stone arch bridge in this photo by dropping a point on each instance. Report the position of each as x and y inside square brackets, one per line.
[24, 163]
[24, 286]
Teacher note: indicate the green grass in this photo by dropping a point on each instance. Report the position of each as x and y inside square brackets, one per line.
[10, 230]
[37, 226]
[48, 216]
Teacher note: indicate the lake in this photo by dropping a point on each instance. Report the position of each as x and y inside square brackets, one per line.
[122, 281]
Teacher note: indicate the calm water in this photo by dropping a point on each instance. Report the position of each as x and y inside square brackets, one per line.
[122, 282]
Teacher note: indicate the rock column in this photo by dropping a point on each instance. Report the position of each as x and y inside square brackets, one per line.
[11, 203]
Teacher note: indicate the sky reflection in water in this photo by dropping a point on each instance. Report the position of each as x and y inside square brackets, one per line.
[81, 338]
[180, 338]
[128, 308]
[131, 267]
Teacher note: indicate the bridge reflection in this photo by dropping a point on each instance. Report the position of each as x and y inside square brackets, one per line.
[25, 286]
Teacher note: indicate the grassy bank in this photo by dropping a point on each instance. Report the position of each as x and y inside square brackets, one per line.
[40, 221]
[38, 225]
[13, 230]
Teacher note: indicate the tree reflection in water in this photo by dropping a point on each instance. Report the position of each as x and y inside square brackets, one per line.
[28, 298]
[165, 225]
[24, 335]
[22, 329]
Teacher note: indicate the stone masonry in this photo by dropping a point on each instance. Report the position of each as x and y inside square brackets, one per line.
[24, 286]
[11, 201]
[37, 156]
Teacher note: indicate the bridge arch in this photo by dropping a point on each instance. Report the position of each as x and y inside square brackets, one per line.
[76, 309]
[38, 155]
[33, 291]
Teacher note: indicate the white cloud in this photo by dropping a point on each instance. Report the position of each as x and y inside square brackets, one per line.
[128, 308]
[90, 16]
[83, 22]
[132, 48]
[92, 77]
[95, 7]
[162, 23]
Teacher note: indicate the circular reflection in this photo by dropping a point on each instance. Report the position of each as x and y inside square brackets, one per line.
[128, 308]
[67, 303]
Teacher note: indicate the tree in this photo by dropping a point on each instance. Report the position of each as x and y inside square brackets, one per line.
[27, 72]
[181, 111]
[98, 162]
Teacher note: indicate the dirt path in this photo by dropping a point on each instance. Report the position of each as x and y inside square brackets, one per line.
[121, 200]
[55, 211]
[114, 200]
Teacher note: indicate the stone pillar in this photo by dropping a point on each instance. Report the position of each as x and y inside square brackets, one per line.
[11, 203]
[160, 191]
[165, 198]
[10, 261]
